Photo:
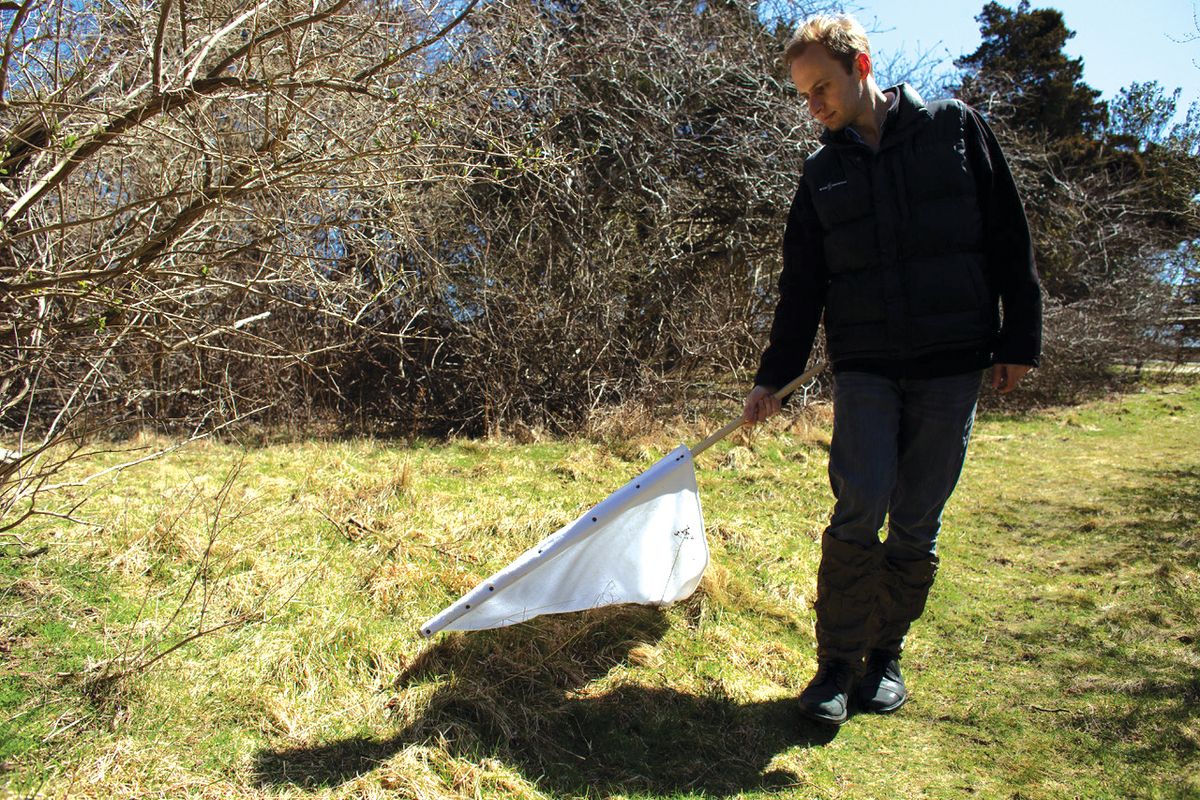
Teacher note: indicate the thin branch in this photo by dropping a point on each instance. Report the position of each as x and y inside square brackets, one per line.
[236, 22]
[400, 56]
[18, 23]
[270, 34]
[163, 13]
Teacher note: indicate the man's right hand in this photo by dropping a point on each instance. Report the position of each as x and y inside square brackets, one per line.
[761, 403]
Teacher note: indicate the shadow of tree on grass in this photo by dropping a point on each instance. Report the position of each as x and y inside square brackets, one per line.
[1165, 694]
[1125, 659]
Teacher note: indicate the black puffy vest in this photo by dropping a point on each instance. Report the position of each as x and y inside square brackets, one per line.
[903, 238]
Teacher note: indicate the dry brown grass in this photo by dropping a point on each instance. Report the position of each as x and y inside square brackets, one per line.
[340, 550]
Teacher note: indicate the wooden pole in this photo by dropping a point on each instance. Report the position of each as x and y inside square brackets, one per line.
[738, 421]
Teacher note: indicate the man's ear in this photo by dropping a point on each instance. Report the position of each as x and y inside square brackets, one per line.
[862, 66]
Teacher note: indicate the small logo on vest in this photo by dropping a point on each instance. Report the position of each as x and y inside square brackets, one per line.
[831, 185]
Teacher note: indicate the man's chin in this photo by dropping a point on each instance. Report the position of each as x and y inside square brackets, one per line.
[833, 123]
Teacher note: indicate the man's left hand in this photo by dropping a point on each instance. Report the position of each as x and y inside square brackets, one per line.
[1005, 377]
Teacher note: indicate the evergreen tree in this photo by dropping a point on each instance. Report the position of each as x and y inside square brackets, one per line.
[1109, 189]
[1021, 58]
[1141, 115]
[1161, 163]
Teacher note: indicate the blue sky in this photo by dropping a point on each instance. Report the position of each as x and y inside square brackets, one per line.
[1119, 42]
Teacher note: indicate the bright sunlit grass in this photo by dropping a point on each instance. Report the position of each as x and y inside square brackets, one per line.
[242, 621]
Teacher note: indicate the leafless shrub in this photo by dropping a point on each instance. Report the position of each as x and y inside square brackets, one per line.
[196, 567]
[197, 204]
[457, 216]
[648, 257]
[1107, 225]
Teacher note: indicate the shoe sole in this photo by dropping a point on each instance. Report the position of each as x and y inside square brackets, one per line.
[886, 709]
[826, 720]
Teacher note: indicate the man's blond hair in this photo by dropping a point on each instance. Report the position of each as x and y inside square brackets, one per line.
[841, 34]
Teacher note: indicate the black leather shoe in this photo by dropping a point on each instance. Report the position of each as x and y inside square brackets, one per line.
[827, 696]
[882, 688]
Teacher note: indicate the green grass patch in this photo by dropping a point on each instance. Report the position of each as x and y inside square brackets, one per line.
[241, 622]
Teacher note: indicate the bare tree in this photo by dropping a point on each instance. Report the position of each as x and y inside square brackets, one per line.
[181, 192]
[1109, 215]
[417, 217]
[648, 258]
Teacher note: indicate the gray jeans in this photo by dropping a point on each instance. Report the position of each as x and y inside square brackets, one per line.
[898, 449]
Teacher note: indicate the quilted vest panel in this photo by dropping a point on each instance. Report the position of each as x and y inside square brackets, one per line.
[903, 242]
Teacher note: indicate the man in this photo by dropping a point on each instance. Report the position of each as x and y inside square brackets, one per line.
[908, 233]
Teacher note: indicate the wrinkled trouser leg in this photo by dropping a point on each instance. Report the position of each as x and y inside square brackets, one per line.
[898, 448]
[846, 590]
[903, 589]
[862, 474]
[935, 429]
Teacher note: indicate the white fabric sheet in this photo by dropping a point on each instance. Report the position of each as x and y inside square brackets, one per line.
[643, 544]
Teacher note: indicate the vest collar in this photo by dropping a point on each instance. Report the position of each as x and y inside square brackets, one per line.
[901, 121]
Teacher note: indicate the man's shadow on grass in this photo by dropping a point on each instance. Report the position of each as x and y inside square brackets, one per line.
[524, 696]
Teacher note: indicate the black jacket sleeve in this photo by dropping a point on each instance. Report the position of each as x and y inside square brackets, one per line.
[802, 285]
[1011, 269]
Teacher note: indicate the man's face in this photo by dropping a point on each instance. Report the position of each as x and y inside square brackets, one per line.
[835, 98]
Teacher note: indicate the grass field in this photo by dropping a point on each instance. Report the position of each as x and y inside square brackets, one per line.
[241, 622]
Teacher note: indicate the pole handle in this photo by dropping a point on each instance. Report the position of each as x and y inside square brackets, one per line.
[738, 421]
